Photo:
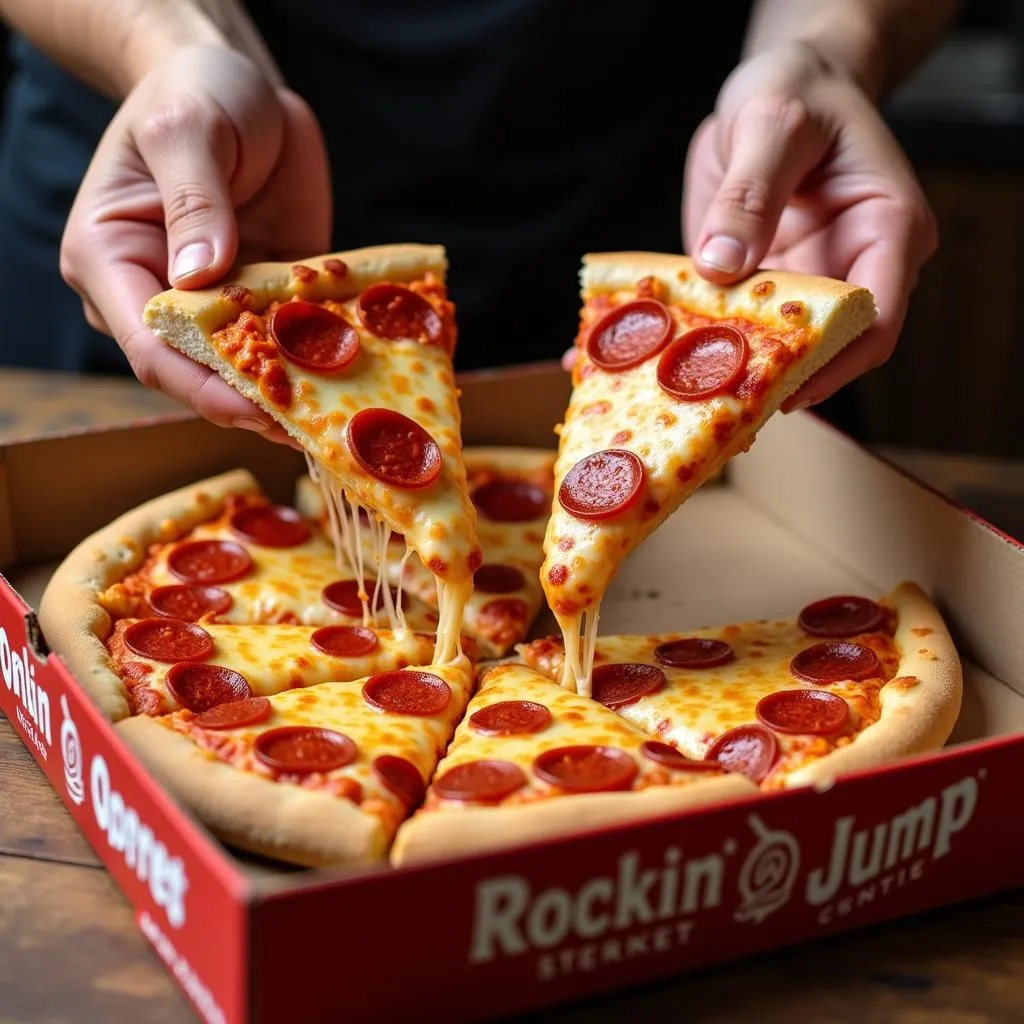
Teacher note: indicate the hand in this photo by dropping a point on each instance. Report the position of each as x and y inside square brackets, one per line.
[796, 170]
[204, 163]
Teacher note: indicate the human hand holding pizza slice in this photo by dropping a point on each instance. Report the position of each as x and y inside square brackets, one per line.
[796, 170]
[205, 162]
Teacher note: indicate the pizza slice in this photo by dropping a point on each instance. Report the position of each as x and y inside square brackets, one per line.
[673, 377]
[316, 777]
[511, 489]
[352, 354]
[848, 683]
[533, 761]
[256, 562]
[167, 664]
[203, 573]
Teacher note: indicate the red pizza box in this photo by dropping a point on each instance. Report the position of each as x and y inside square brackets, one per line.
[805, 513]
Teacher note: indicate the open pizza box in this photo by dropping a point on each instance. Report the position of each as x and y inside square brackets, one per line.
[804, 514]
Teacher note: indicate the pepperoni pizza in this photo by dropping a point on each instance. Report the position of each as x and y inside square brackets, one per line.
[511, 489]
[525, 747]
[847, 683]
[317, 776]
[216, 578]
[673, 377]
[352, 355]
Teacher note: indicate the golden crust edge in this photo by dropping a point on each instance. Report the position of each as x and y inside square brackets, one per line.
[824, 297]
[268, 281]
[463, 831]
[913, 720]
[304, 827]
[73, 621]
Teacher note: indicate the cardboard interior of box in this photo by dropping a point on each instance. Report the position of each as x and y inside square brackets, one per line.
[805, 514]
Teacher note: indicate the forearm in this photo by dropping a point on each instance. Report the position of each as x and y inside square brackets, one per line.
[111, 44]
[876, 42]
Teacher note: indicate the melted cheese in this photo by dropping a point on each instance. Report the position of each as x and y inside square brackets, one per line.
[340, 706]
[271, 658]
[416, 380]
[697, 705]
[283, 585]
[575, 721]
[681, 444]
[515, 544]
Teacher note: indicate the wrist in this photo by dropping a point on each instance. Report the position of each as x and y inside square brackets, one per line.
[160, 30]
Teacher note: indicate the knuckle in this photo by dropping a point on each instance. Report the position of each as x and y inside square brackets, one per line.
[745, 198]
[188, 205]
[779, 113]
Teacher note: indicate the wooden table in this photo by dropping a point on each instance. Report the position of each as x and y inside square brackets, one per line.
[70, 953]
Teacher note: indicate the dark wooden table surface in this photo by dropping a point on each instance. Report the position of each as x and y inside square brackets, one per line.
[70, 953]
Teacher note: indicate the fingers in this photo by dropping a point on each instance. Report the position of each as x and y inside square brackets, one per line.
[888, 268]
[768, 146]
[190, 149]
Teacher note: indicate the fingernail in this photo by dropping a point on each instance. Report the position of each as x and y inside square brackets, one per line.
[799, 405]
[724, 253]
[251, 423]
[194, 257]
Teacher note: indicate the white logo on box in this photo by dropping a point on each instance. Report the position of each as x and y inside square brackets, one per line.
[768, 874]
[71, 752]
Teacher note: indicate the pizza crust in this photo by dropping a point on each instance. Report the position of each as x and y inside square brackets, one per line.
[920, 704]
[73, 621]
[300, 826]
[213, 309]
[840, 312]
[463, 831]
[759, 297]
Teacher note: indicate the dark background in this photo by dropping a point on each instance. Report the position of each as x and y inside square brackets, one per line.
[955, 381]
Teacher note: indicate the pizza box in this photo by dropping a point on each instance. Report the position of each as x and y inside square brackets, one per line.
[804, 514]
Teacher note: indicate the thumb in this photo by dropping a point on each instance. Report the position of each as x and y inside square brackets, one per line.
[191, 151]
[769, 146]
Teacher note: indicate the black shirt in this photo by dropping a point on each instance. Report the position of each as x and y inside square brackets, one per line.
[518, 133]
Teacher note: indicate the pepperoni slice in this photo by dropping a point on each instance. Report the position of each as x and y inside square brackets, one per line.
[189, 601]
[402, 777]
[201, 687]
[841, 617]
[480, 781]
[810, 712]
[749, 750]
[623, 683]
[345, 641]
[586, 769]
[694, 652]
[407, 692]
[602, 485]
[703, 362]
[835, 660]
[343, 596]
[209, 561]
[628, 335]
[511, 501]
[273, 526]
[668, 757]
[250, 711]
[498, 579]
[510, 718]
[299, 749]
[393, 448]
[393, 311]
[168, 640]
[313, 337]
